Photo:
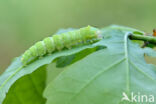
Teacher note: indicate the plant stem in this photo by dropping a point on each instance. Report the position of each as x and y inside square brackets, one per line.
[149, 39]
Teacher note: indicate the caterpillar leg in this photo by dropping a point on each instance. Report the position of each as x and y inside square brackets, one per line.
[68, 46]
[40, 57]
[59, 49]
[91, 41]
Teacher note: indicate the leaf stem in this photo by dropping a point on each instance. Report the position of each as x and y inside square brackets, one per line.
[149, 39]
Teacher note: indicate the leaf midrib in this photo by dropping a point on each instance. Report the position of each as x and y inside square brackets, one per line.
[127, 62]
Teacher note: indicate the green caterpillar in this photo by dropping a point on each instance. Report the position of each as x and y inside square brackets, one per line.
[58, 42]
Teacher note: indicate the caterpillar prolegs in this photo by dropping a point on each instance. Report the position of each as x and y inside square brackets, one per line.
[58, 42]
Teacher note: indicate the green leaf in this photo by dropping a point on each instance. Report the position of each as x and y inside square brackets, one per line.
[76, 70]
[15, 71]
[28, 89]
[67, 60]
[53, 72]
[55, 69]
[126, 29]
[103, 76]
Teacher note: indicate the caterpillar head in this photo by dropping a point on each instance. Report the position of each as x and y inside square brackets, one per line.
[91, 33]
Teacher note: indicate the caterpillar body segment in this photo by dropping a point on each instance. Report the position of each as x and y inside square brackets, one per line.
[58, 42]
[33, 51]
[49, 44]
[41, 49]
[66, 40]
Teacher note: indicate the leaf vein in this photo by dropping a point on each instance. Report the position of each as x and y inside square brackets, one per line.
[97, 75]
[142, 72]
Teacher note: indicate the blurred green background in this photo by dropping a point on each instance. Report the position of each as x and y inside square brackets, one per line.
[23, 22]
